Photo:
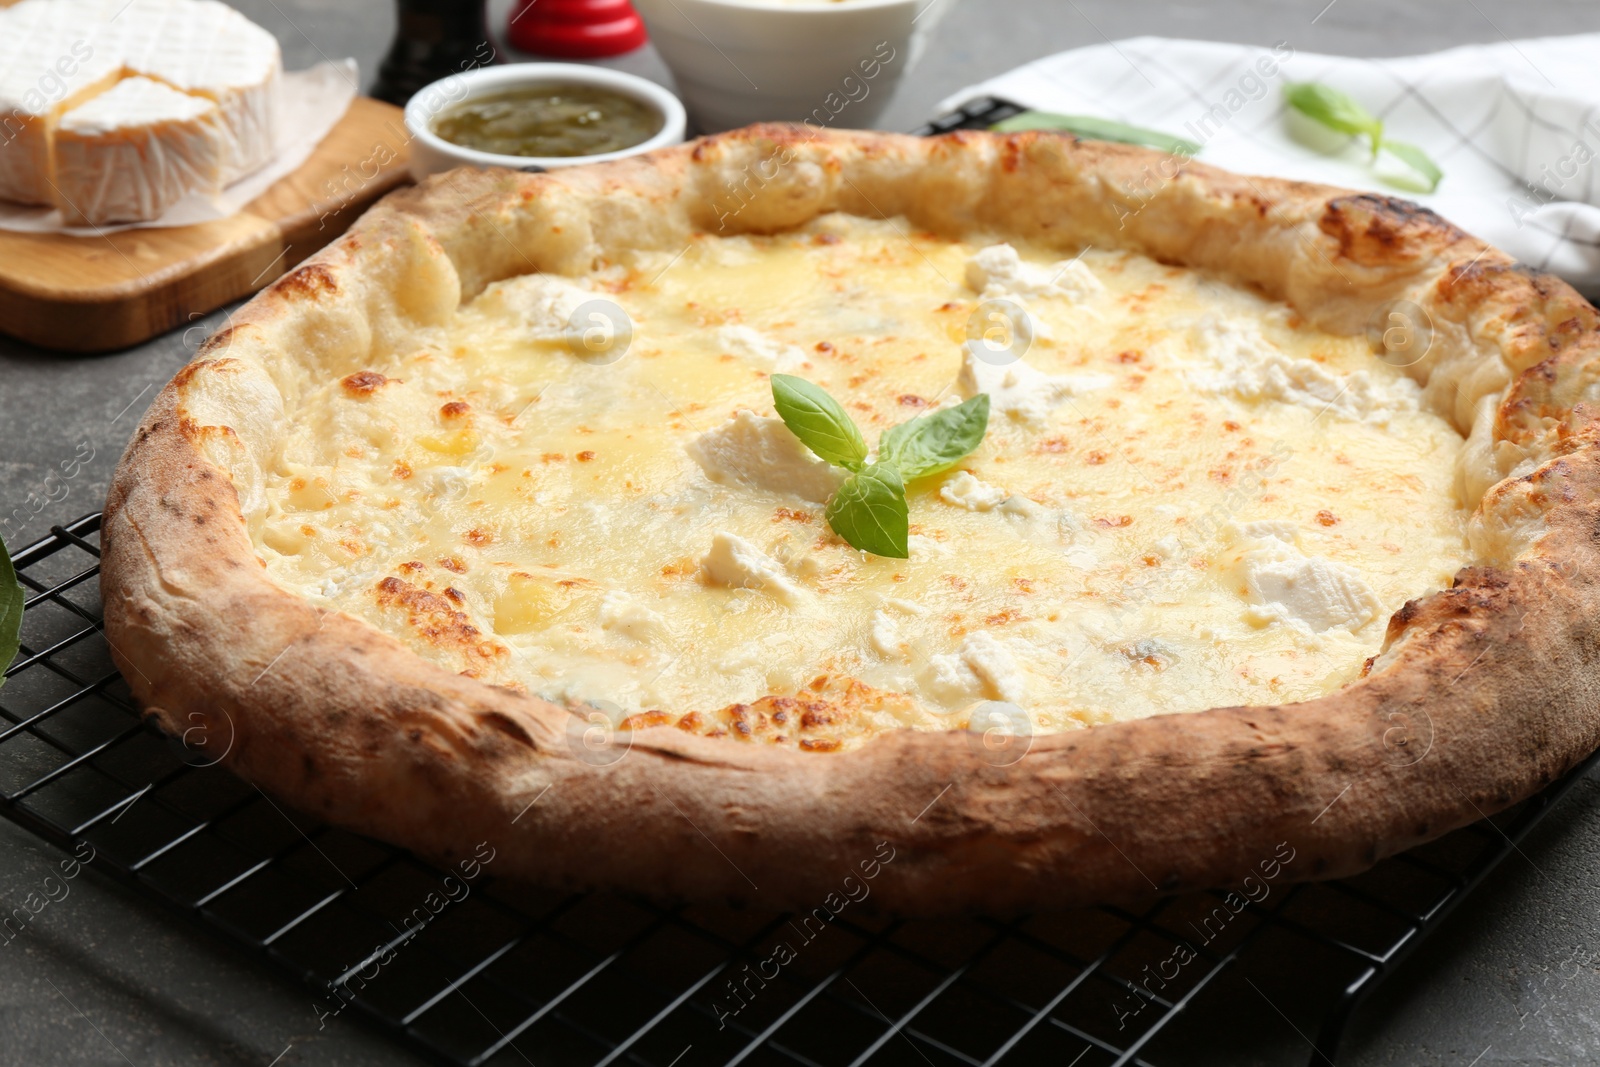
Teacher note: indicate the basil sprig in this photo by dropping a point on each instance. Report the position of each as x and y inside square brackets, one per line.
[11, 597]
[1342, 113]
[1335, 110]
[1417, 160]
[933, 443]
[869, 510]
[818, 420]
[1090, 128]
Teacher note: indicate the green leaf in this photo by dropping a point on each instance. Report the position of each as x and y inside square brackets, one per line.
[937, 441]
[1335, 110]
[10, 611]
[1417, 160]
[870, 512]
[1090, 128]
[818, 420]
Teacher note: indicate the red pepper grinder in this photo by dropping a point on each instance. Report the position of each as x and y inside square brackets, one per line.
[575, 29]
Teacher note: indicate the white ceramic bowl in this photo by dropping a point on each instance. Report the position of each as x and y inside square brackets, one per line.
[831, 63]
[431, 153]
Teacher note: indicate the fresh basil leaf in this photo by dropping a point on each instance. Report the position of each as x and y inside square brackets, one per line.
[937, 441]
[1338, 111]
[1335, 110]
[869, 511]
[818, 420]
[1417, 160]
[1090, 128]
[11, 597]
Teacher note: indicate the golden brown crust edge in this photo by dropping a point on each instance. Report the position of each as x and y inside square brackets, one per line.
[1483, 693]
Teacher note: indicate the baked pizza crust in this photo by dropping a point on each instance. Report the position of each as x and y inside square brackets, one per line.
[1481, 694]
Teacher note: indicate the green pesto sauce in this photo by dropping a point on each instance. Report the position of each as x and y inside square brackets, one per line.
[550, 120]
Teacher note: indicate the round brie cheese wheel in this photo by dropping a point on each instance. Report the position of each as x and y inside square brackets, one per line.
[116, 110]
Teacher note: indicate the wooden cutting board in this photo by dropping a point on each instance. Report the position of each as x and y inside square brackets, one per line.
[96, 294]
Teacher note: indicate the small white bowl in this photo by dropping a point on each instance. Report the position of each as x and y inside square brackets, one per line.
[831, 63]
[431, 153]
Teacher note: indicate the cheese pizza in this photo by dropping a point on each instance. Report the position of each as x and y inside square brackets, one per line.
[485, 524]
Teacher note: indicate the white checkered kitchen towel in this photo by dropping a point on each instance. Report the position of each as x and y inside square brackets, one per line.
[1514, 126]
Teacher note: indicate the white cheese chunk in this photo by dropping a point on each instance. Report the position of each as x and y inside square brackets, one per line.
[759, 452]
[1020, 507]
[736, 563]
[538, 306]
[923, 548]
[1284, 585]
[965, 490]
[998, 271]
[1283, 531]
[886, 639]
[624, 614]
[1033, 520]
[982, 668]
[1313, 592]
[803, 563]
[1020, 391]
[1243, 363]
[767, 352]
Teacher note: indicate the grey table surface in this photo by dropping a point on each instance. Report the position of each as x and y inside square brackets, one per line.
[108, 978]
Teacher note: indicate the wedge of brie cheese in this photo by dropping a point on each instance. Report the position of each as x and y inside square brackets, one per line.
[135, 150]
[48, 63]
[116, 109]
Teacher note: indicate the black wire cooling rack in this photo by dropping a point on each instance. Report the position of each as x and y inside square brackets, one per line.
[479, 971]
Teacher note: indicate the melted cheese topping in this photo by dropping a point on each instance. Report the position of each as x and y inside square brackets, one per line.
[1187, 497]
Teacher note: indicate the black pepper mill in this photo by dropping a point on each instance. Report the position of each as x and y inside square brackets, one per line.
[436, 38]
